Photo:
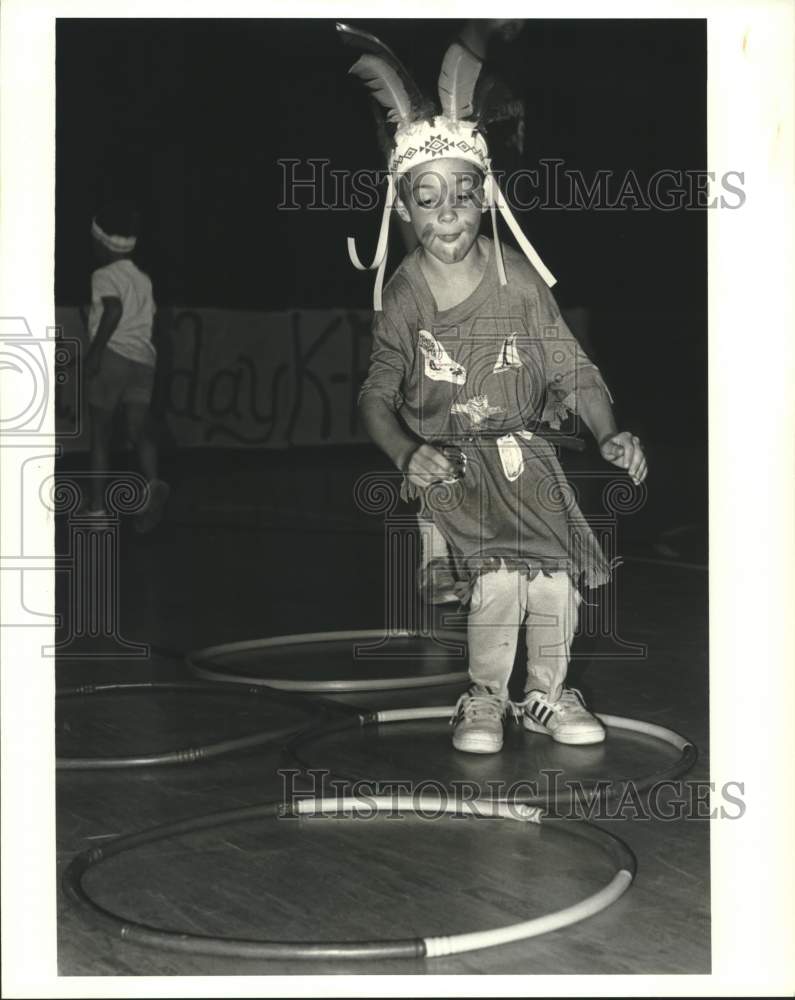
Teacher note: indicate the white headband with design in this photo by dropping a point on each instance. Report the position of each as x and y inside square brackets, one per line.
[118, 244]
[421, 139]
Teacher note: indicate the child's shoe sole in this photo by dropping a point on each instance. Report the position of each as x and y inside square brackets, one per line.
[476, 743]
[583, 737]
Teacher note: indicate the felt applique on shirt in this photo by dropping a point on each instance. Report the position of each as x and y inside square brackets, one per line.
[511, 457]
[439, 366]
[511, 454]
[509, 356]
[477, 409]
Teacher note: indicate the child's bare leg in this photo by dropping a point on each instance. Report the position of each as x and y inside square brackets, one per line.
[553, 605]
[101, 427]
[139, 424]
[139, 430]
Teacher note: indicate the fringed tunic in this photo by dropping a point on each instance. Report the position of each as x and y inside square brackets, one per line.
[482, 376]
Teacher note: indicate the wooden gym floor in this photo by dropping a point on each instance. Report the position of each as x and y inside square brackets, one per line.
[257, 546]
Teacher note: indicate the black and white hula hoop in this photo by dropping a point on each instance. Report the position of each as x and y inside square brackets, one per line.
[315, 709]
[415, 948]
[204, 662]
[688, 753]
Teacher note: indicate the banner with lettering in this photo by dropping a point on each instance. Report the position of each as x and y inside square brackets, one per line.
[243, 379]
[240, 379]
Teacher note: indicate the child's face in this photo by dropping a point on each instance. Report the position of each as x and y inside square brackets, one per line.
[443, 201]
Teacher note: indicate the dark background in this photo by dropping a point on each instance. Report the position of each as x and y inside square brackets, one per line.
[191, 116]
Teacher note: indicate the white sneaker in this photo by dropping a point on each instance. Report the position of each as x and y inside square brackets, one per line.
[566, 720]
[477, 721]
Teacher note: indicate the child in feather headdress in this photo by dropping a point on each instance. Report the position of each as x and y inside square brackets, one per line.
[470, 355]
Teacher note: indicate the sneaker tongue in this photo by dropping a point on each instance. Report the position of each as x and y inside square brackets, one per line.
[571, 699]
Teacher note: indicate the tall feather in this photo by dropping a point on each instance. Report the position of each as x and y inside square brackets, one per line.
[460, 72]
[363, 41]
[386, 86]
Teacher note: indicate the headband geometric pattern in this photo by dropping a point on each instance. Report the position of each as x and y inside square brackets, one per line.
[421, 137]
[428, 140]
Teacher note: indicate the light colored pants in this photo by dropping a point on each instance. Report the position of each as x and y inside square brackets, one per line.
[503, 601]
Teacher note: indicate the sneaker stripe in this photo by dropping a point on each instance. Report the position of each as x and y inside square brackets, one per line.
[541, 713]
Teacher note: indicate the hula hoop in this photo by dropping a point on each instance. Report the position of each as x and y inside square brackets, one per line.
[190, 755]
[421, 947]
[688, 752]
[197, 659]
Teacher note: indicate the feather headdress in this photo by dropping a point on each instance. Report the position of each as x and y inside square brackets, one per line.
[368, 44]
[457, 80]
[386, 87]
[420, 136]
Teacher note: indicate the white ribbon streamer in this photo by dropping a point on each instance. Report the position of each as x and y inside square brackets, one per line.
[381, 250]
[524, 244]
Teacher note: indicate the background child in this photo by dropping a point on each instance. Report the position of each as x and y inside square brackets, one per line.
[120, 363]
[469, 347]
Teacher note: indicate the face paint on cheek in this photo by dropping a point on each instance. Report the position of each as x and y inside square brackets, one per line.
[427, 233]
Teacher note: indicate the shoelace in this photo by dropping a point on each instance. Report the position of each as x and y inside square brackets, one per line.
[490, 706]
[571, 698]
[486, 706]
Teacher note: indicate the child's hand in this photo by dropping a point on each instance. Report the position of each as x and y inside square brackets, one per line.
[428, 465]
[626, 451]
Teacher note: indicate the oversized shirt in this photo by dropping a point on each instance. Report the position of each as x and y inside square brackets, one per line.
[122, 280]
[481, 376]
